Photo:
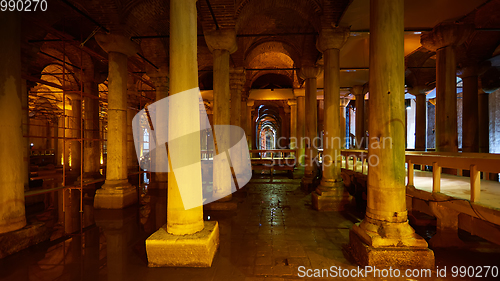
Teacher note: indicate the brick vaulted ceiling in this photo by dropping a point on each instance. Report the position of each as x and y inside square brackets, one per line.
[275, 37]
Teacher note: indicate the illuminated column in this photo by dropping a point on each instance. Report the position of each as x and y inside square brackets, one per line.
[237, 79]
[186, 240]
[92, 145]
[470, 113]
[249, 127]
[420, 117]
[359, 93]
[311, 125]
[343, 104]
[384, 238]
[160, 80]
[131, 112]
[331, 195]
[12, 216]
[293, 123]
[301, 119]
[221, 43]
[75, 124]
[117, 192]
[443, 39]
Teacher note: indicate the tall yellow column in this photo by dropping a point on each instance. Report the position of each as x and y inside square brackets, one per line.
[117, 192]
[311, 125]
[384, 238]
[293, 123]
[420, 117]
[470, 114]
[444, 39]
[160, 80]
[331, 195]
[301, 119]
[236, 81]
[359, 93]
[221, 43]
[75, 124]
[186, 240]
[12, 216]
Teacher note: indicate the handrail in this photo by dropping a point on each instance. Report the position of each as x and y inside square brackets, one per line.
[272, 152]
[475, 162]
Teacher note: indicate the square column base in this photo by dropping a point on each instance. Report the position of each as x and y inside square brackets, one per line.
[194, 250]
[115, 198]
[385, 257]
[325, 202]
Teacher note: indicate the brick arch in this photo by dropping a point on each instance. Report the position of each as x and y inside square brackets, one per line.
[254, 76]
[272, 45]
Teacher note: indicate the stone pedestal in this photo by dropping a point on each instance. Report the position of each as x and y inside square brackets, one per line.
[331, 194]
[384, 238]
[193, 250]
[116, 192]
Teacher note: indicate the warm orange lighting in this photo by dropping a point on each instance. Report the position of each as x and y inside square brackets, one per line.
[102, 159]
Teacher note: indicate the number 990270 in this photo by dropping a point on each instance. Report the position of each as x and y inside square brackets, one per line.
[23, 5]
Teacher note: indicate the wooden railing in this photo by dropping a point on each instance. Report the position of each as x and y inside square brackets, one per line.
[475, 162]
[272, 153]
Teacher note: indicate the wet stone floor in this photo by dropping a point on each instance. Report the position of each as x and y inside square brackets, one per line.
[272, 234]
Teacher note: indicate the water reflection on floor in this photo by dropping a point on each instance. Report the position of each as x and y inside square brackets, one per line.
[274, 231]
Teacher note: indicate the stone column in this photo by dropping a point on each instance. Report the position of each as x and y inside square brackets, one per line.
[311, 125]
[343, 104]
[444, 39]
[470, 113]
[293, 123]
[221, 43]
[12, 216]
[117, 192]
[384, 238]
[359, 93]
[26, 132]
[331, 194]
[420, 117]
[301, 119]
[249, 127]
[186, 240]
[484, 122]
[160, 80]
[76, 132]
[132, 110]
[92, 146]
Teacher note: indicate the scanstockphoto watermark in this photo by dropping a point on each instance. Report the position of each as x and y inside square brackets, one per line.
[170, 134]
[336, 142]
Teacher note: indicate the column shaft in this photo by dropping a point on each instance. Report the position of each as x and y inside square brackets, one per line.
[222, 179]
[12, 146]
[446, 100]
[484, 123]
[183, 77]
[360, 121]
[331, 141]
[311, 128]
[421, 123]
[293, 124]
[92, 146]
[301, 118]
[470, 114]
[76, 130]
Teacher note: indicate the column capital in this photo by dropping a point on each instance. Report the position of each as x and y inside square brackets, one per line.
[299, 92]
[418, 90]
[446, 34]
[358, 91]
[292, 102]
[222, 39]
[237, 77]
[344, 102]
[117, 44]
[250, 102]
[332, 38]
[308, 72]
